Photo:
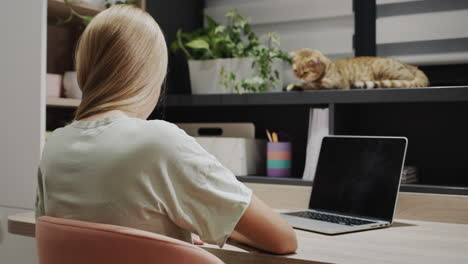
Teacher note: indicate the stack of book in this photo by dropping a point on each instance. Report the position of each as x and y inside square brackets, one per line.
[409, 175]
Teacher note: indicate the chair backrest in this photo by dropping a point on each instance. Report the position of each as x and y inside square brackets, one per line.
[76, 242]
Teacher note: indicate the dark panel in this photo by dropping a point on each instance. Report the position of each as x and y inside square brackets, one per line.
[172, 15]
[58, 117]
[61, 44]
[331, 119]
[436, 132]
[456, 74]
[364, 27]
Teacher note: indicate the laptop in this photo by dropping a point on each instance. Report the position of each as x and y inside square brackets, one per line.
[356, 185]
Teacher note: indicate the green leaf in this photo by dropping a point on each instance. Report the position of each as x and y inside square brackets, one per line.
[231, 13]
[86, 19]
[198, 44]
[174, 46]
[210, 22]
[220, 29]
[181, 45]
[68, 19]
[64, 21]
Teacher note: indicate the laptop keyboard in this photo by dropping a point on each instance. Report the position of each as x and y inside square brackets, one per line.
[342, 220]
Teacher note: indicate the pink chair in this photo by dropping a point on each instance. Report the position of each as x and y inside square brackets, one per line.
[62, 241]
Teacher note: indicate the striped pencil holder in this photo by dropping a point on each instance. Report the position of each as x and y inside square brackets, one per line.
[279, 159]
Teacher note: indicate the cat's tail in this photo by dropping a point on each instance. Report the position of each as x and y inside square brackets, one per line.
[420, 80]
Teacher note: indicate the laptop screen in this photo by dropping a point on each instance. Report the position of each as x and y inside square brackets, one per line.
[359, 176]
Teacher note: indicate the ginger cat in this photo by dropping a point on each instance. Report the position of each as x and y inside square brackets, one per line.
[318, 72]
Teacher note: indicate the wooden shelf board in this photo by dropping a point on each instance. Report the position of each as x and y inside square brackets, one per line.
[59, 8]
[62, 102]
[386, 95]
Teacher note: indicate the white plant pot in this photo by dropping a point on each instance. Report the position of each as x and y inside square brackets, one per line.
[205, 74]
[71, 89]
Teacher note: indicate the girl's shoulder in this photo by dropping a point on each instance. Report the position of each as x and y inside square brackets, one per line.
[165, 132]
[161, 127]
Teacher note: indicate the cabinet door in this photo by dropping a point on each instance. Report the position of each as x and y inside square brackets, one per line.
[15, 249]
[22, 99]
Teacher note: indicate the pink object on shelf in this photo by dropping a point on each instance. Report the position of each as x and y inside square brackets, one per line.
[279, 159]
[54, 85]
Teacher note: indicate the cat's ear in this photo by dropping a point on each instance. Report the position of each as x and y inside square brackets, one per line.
[316, 60]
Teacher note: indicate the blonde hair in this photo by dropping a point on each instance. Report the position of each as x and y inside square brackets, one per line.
[121, 61]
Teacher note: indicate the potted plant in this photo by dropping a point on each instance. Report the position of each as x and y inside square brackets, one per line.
[231, 58]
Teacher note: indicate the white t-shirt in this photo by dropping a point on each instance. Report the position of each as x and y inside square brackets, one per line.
[148, 175]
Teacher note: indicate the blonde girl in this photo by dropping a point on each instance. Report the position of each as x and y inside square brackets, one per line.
[111, 165]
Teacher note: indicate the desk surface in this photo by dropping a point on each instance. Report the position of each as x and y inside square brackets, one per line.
[405, 242]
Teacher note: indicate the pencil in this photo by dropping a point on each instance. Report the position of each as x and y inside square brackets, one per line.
[275, 137]
[269, 136]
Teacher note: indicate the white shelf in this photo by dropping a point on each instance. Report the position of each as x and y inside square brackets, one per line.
[63, 102]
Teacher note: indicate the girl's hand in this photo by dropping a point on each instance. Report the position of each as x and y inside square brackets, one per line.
[196, 240]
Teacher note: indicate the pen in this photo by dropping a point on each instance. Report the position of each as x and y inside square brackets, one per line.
[269, 136]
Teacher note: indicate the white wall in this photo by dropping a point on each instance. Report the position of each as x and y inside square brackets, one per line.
[320, 24]
[22, 118]
[415, 31]
[423, 32]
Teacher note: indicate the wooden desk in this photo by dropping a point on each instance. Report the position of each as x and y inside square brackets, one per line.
[407, 241]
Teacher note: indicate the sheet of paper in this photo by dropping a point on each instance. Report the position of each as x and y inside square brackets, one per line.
[318, 128]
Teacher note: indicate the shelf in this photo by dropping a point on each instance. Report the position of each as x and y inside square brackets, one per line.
[60, 8]
[273, 180]
[416, 188]
[423, 188]
[63, 102]
[385, 95]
